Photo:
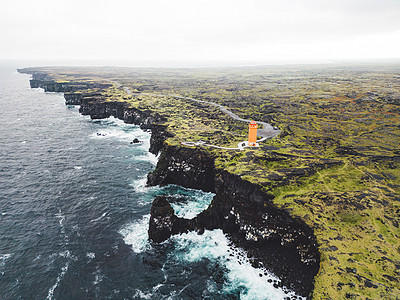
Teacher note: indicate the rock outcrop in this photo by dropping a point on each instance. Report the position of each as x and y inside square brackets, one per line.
[272, 237]
[42, 80]
[192, 168]
[163, 221]
[96, 108]
[73, 98]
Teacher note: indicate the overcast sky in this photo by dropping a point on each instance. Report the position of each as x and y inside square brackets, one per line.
[184, 32]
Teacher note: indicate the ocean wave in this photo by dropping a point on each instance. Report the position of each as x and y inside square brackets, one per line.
[98, 276]
[146, 194]
[64, 270]
[4, 258]
[99, 218]
[136, 235]
[61, 220]
[112, 121]
[115, 128]
[142, 295]
[241, 275]
[113, 133]
[188, 203]
[154, 293]
[146, 156]
[65, 254]
[139, 185]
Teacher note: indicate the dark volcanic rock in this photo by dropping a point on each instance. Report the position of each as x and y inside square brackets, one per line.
[97, 108]
[164, 223]
[283, 244]
[192, 168]
[42, 81]
[162, 220]
[135, 141]
[159, 134]
[73, 98]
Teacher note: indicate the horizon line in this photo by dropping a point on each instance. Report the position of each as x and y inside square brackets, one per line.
[129, 63]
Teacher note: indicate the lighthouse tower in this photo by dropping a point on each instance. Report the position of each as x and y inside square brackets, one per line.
[253, 134]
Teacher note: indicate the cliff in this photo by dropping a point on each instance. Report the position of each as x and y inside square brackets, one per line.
[272, 237]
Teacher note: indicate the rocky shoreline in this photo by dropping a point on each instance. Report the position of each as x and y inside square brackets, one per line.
[272, 238]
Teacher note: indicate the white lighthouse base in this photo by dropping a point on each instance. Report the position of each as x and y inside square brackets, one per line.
[245, 144]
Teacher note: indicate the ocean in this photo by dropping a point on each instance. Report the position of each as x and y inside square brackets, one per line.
[74, 212]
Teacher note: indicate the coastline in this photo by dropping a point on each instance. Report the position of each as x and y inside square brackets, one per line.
[274, 239]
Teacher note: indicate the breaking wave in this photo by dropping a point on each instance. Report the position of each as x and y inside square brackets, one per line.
[253, 283]
[135, 234]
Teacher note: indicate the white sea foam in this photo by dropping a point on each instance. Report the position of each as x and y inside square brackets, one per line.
[186, 202]
[99, 218]
[4, 258]
[142, 295]
[212, 245]
[147, 156]
[65, 254]
[98, 277]
[157, 287]
[146, 193]
[139, 184]
[77, 167]
[90, 255]
[195, 203]
[113, 133]
[135, 234]
[37, 257]
[241, 275]
[112, 122]
[64, 270]
[115, 128]
[154, 158]
[61, 218]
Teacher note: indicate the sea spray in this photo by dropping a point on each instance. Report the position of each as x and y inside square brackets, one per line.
[252, 283]
[241, 278]
[135, 234]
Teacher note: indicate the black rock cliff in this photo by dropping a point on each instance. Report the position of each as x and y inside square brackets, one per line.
[272, 237]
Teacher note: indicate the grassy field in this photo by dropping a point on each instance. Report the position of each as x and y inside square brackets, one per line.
[336, 163]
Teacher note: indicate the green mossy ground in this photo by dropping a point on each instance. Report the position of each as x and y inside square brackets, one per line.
[336, 163]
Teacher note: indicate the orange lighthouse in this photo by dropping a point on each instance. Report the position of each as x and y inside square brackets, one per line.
[253, 133]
